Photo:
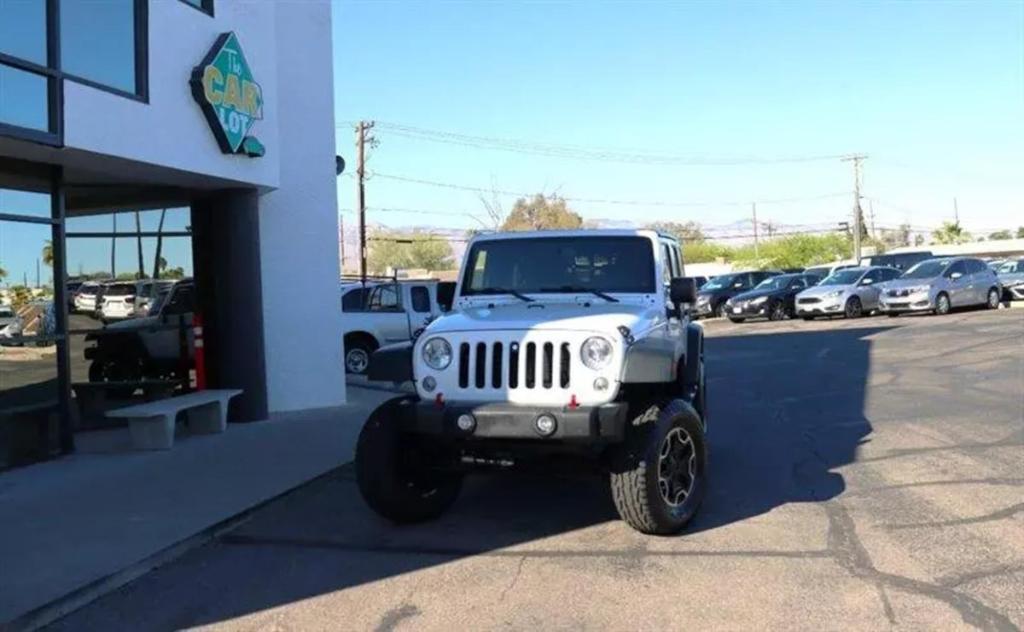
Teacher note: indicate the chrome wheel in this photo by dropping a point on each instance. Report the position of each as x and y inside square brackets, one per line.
[942, 304]
[356, 360]
[993, 299]
[677, 467]
[853, 308]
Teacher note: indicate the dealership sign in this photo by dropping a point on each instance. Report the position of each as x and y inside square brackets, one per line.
[229, 96]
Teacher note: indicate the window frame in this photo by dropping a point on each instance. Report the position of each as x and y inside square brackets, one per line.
[424, 292]
[141, 19]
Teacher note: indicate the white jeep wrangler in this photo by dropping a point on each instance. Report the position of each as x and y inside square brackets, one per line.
[559, 343]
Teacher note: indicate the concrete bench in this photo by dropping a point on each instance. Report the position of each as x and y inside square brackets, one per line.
[152, 424]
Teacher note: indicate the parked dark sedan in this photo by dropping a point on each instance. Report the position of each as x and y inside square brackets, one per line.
[712, 295]
[772, 298]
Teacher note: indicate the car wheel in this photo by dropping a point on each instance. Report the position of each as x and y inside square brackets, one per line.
[854, 309]
[124, 368]
[777, 311]
[993, 299]
[808, 317]
[737, 320]
[892, 314]
[357, 357]
[659, 474]
[942, 305]
[398, 478]
[720, 310]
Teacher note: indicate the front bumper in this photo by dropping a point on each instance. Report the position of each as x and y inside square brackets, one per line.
[702, 310]
[500, 420]
[1016, 292]
[746, 310]
[905, 304]
[822, 307]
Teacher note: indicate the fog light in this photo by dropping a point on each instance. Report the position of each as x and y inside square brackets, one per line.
[429, 384]
[600, 384]
[466, 422]
[546, 425]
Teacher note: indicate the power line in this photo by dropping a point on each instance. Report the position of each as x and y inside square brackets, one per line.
[462, 187]
[581, 152]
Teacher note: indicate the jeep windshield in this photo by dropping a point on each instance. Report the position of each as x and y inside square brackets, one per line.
[844, 277]
[551, 265]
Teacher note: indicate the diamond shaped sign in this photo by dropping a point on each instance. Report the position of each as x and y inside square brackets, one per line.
[229, 96]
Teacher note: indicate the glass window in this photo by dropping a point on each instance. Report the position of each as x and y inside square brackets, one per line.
[203, 5]
[354, 300]
[666, 262]
[24, 99]
[552, 264]
[958, 267]
[97, 41]
[420, 299]
[23, 29]
[26, 260]
[383, 298]
[30, 203]
[182, 300]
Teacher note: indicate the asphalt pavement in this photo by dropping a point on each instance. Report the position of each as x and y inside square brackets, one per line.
[864, 474]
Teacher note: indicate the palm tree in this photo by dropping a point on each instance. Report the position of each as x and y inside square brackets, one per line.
[951, 233]
[48, 253]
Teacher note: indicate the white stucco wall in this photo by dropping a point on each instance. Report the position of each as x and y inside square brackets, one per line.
[299, 221]
[170, 130]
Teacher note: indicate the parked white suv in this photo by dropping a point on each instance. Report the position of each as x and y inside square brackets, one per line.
[385, 312]
[118, 301]
[560, 342]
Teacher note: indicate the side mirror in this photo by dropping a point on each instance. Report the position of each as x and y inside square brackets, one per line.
[738, 285]
[867, 281]
[955, 275]
[683, 290]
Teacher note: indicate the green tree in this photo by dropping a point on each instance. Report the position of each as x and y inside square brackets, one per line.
[3, 273]
[48, 253]
[541, 213]
[1001, 234]
[20, 296]
[706, 252]
[408, 250]
[686, 232]
[951, 233]
[173, 273]
[1020, 232]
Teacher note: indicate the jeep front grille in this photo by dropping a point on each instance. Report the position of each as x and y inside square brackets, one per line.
[539, 365]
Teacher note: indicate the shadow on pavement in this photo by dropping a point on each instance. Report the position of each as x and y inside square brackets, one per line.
[787, 411]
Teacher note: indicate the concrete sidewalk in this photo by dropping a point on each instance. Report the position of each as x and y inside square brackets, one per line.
[77, 527]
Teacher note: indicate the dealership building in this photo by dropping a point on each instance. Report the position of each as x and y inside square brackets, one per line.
[142, 139]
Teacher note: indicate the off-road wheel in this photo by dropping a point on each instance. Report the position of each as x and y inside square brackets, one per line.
[777, 311]
[993, 299]
[942, 305]
[658, 475]
[854, 308]
[127, 367]
[398, 478]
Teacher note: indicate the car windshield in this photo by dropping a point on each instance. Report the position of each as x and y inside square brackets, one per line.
[121, 289]
[776, 282]
[928, 269]
[719, 282]
[1009, 267]
[843, 277]
[560, 264]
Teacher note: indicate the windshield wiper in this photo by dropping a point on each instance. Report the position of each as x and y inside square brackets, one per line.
[503, 290]
[572, 288]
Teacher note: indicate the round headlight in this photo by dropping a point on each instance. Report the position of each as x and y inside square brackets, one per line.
[596, 352]
[437, 353]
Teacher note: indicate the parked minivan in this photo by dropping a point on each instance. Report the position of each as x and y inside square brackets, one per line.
[939, 285]
[899, 260]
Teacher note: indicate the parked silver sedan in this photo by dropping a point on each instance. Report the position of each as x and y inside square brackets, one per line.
[939, 285]
[850, 292]
[1011, 277]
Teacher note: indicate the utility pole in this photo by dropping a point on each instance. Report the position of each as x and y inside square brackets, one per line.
[757, 249]
[858, 213]
[871, 211]
[37, 273]
[956, 212]
[361, 138]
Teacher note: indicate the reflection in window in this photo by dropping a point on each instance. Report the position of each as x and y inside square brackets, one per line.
[29, 403]
[23, 99]
[91, 257]
[23, 29]
[26, 257]
[97, 40]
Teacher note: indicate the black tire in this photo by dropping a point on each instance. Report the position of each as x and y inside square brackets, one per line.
[665, 455]
[892, 314]
[121, 368]
[737, 320]
[357, 354]
[808, 318]
[854, 308]
[993, 298]
[720, 310]
[777, 311]
[942, 304]
[395, 476]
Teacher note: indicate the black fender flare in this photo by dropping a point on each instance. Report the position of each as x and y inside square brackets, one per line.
[391, 363]
[694, 355]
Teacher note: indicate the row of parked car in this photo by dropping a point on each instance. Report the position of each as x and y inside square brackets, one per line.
[115, 300]
[932, 284]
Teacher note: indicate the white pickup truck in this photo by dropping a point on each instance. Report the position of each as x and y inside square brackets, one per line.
[383, 312]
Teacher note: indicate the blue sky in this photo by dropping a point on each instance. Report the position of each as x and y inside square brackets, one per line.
[932, 92]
